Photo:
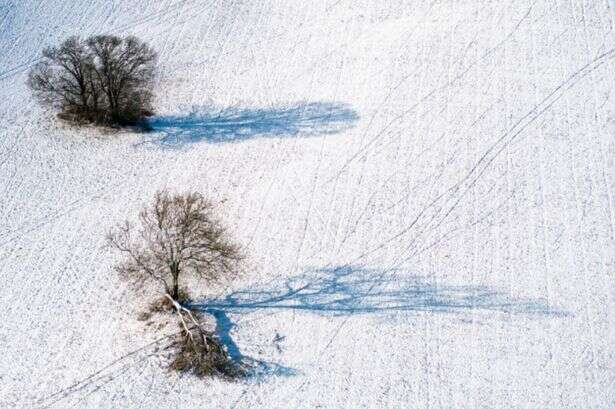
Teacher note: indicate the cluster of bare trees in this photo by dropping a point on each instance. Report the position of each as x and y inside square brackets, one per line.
[178, 238]
[103, 79]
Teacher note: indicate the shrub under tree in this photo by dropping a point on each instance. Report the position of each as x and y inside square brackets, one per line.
[103, 79]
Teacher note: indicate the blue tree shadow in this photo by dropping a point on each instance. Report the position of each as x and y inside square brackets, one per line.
[238, 124]
[353, 290]
[252, 366]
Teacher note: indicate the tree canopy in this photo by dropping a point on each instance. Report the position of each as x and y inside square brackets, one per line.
[103, 79]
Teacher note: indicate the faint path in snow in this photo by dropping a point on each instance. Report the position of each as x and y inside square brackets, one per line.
[108, 373]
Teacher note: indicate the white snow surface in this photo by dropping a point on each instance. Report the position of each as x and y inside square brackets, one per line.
[424, 190]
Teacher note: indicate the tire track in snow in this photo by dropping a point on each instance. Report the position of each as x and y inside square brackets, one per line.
[361, 151]
[378, 109]
[476, 172]
[459, 189]
[105, 374]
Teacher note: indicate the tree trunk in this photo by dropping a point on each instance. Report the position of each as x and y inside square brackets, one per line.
[175, 289]
[175, 274]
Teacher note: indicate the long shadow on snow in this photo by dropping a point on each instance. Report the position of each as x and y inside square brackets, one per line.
[235, 124]
[353, 290]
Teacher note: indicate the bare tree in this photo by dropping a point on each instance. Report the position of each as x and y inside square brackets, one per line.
[104, 79]
[178, 235]
[125, 70]
[63, 77]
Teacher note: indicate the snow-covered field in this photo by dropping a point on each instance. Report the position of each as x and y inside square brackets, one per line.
[425, 190]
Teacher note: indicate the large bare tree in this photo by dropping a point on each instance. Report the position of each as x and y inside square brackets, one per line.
[103, 79]
[63, 78]
[125, 70]
[178, 235]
